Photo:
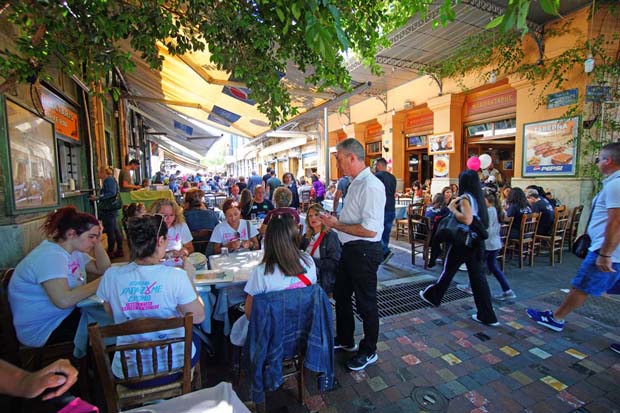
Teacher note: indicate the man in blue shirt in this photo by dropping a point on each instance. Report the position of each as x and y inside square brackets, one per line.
[254, 181]
[600, 270]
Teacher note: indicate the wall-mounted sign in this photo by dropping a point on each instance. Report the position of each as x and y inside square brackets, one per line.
[373, 130]
[500, 100]
[416, 141]
[597, 93]
[550, 148]
[563, 98]
[63, 115]
[419, 121]
[442, 143]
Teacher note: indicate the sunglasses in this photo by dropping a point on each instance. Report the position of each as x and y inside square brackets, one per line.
[597, 159]
[161, 221]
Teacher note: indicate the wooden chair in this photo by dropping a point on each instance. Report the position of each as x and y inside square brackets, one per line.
[402, 225]
[573, 225]
[117, 395]
[201, 240]
[555, 241]
[305, 200]
[419, 237]
[524, 245]
[504, 231]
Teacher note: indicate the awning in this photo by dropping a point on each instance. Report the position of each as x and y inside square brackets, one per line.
[181, 160]
[283, 146]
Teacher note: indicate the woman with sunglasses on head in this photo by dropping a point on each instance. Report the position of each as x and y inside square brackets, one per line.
[234, 233]
[323, 246]
[147, 288]
[49, 282]
[284, 267]
[179, 236]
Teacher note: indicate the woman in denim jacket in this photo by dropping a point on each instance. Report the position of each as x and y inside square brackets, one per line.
[323, 246]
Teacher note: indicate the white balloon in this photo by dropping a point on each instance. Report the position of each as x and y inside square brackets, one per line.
[485, 160]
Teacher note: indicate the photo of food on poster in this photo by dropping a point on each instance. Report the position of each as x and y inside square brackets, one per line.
[441, 165]
[442, 143]
[550, 147]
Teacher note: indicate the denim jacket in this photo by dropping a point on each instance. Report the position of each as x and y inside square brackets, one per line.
[282, 324]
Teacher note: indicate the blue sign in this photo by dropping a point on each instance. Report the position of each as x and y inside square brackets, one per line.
[183, 127]
[563, 98]
[597, 93]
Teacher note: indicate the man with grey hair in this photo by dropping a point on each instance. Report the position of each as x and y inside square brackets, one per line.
[359, 227]
[600, 270]
[544, 208]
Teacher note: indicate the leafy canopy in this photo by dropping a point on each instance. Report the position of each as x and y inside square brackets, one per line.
[252, 39]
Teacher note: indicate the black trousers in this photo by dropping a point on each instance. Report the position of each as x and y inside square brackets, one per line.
[472, 257]
[110, 227]
[357, 274]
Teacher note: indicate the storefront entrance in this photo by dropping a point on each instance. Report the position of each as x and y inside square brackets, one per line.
[419, 166]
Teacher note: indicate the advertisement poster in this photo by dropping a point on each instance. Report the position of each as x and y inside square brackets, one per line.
[550, 147]
[443, 143]
[441, 165]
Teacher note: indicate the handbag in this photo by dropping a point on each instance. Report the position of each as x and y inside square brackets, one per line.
[113, 203]
[451, 230]
[582, 243]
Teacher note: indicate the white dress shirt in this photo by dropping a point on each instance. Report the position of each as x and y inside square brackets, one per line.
[365, 205]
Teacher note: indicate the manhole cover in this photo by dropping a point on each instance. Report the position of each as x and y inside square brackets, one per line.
[403, 298]
[601, 309]
[427, 398]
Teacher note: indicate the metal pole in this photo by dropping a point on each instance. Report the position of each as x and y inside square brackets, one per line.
[326, 145]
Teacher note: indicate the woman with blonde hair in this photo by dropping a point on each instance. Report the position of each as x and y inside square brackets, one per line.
[179, 236]
[323, 246]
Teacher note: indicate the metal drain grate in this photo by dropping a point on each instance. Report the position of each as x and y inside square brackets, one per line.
[403, 298]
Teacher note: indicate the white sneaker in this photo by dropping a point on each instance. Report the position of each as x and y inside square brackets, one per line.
[463, 267]
[475, 318]
[465, 288]
[506, 295]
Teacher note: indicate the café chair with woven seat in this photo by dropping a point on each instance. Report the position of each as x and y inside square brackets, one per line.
[504, 231]
[524, 245]
[555, 241]
[201, 240]
[118, 394]
[420, 237]
[573, 226]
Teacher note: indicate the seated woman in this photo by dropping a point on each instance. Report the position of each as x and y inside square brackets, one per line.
[517, 206]
[49, 282]
[147, 288]
[284, 267]
[135, 209]
[234, 233]
[245, 203]
[179, 236]
[323, 246]
[282, 198]
[197, 216]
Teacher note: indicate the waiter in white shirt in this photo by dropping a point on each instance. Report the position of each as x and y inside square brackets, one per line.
[359, 229]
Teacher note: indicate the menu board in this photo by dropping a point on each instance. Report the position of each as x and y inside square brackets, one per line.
[550, 147]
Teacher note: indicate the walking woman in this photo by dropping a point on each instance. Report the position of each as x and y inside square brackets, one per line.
[467, 207]
[109, 217]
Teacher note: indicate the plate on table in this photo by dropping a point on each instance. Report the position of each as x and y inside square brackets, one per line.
[204, 277]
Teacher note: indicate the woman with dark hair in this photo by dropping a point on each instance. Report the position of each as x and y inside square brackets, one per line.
[469, 209]
[49, 282]
[234, 233]
[246, 199]
[447, 194]
[319, 188]
[196, 214]
[284, 267]
[517, 206]
[147, 288]
[289, 181]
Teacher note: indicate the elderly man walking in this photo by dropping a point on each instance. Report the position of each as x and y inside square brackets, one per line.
[359, 230]
[600, 270]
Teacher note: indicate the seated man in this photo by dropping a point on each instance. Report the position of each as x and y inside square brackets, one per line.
[260, 205]
[545, 226]
[282, 197]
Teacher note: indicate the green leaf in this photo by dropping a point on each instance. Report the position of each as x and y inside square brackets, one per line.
[295, 10]
[495, 22]
[550, 6]
[280, 14]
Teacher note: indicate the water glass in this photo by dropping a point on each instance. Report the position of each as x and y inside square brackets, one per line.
[224, 251]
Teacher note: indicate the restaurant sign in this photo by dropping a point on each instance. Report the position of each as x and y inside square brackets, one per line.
[550, 147]
[63, 115]
[501, 100]
[563, 98]
[373, 130]
[417, 121]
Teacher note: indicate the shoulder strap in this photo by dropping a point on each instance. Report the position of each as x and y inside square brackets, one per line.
[317, 243]
[591, 211]
[304, 280]
[247, 225]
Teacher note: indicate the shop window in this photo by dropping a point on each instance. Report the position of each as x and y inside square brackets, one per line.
[415, 141]
[488, 129]
[373, 148]
[68, 162]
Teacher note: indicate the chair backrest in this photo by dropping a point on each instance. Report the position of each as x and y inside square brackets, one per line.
[419, 229]
[574, 220]
[560, 224]
[11, 343]
[529, 225]
[155, 349]
[504, 229]
[416, 209]
[560, 208]
[201, 239]
[305, 196]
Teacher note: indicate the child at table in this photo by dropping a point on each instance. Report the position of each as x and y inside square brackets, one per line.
[283, 267]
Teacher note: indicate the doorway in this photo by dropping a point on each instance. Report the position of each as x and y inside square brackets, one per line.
[419, 167]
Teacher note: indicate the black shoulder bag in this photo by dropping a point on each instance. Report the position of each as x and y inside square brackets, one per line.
[582, 243]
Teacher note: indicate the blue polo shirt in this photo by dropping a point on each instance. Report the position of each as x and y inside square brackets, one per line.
[609, 197]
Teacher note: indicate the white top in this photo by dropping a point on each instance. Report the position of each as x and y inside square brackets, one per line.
[317, 252]
[608, 198]
[365, 205]
[223, 233]
[138, 291]
[178, 235]
[35, 316]
[494, 242]
[260, 283]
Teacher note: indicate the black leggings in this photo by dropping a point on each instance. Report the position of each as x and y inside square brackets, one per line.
[110, 227]
[67, 329]
[472, 257]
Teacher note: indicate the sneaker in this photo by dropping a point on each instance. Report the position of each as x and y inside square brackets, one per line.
[545, 318]
[426, 300]
[360, 361]
[475, 318]
[465, 288]
[505, 295]
[463, 267]
[615, 347]
[350, 349]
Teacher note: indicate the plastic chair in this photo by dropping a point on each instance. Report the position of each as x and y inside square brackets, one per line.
[554, 242]
[117, 395]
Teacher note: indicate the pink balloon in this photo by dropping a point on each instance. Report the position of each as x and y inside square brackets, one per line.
[473, 163]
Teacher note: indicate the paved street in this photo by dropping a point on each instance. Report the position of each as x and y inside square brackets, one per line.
[439, 359]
